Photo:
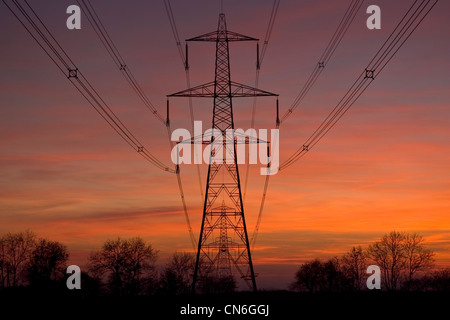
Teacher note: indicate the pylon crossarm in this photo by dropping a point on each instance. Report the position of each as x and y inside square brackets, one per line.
[237, 90]
[242, 91]
[229, 35]
[202, 91]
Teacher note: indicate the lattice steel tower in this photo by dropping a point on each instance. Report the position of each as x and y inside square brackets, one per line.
[223, 242]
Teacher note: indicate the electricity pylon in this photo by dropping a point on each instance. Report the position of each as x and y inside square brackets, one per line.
[223, 241]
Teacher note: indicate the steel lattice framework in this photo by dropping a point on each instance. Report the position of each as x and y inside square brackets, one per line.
[223, 241]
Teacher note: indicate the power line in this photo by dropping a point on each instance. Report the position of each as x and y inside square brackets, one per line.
[273, 15]
[335, 40]
[331, 47]
[383, 56]
[115, 55]
[260, 58]
[407, 25]
[191, 113]
[184, 60]
[175, 31]
[45, 39]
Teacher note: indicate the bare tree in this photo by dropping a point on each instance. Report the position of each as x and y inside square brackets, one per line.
[128, 265]
[389, 255]
[308, 277]
[176, 277]
[398, 254]
[47, 263]
[15, 250]
[354, 264]
[317, 276]
[418, 258]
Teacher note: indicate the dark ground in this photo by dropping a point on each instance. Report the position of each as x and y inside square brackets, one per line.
[282, 305]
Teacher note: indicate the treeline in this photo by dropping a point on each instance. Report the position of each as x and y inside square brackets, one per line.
[122, 267]
[127, 267]
[28, 260]
[403, 258]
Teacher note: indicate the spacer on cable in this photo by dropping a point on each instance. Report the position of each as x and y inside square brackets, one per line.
[369, 74]
[73, 73]
[140, 149]
[306, 147]
[122, 66]
[321, 64]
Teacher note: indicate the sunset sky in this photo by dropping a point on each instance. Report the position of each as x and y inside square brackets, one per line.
[66, 175]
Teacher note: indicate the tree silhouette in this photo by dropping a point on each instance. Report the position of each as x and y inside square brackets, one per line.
[176, 277]
[128, 265]
[398, 254]
[309, 276]
[418, 258]
[354, 266]
[15, 250]
[47, 263]
[317, 276]
[389, 255]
